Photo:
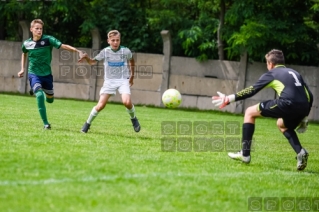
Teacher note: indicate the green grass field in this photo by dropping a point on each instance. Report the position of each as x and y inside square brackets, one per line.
[112, 168]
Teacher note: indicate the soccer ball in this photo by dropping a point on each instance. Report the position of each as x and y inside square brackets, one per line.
[172, 98]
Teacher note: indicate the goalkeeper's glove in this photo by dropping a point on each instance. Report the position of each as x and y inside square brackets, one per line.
[303, 125]
[222, 100]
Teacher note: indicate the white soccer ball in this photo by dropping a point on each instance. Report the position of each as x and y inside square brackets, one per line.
[172, 98]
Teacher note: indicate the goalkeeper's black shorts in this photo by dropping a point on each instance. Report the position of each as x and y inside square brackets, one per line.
[291, 113]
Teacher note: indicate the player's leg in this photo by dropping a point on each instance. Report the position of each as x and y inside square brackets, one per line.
[125, 92]
[267, 109]
[99, 107]
[36, 86]
[290, 134]
[95, 111]
[108, 89]
[247, 134]
[288, 118]
[126, 100]
[40, 96]
[47, 87]
[287, 128]
[249, 127]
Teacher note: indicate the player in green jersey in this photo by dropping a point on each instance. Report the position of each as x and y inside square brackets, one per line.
[38, 49]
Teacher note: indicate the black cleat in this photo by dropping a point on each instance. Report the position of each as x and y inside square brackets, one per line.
[136, 124]
[31, 92]
[47, 127]
[85, 127]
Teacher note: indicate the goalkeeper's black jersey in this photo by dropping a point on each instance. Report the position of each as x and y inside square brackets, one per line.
[287, 83]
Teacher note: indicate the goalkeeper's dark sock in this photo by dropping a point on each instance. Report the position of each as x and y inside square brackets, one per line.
[248, 132]
[40, 96]
[293, 140]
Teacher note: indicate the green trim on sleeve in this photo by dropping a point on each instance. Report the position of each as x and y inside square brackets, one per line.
[277, 86]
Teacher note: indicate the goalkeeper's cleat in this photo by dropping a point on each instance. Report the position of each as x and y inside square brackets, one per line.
[303, 125]
[239, 156]
[31, 92]
[136, 124]
[85, 127]
[47, 127]
[302, 159]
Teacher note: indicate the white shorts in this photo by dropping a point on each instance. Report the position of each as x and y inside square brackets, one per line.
[110, 87]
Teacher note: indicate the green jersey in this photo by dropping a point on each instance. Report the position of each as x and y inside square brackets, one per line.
[40, 54]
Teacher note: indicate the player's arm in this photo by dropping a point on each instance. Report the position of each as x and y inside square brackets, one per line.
[131, 64]
[89, 60]
[222, 100]
[93, 61]
[72, 49]
[23, 61]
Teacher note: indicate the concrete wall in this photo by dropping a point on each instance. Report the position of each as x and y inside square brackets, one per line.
[197, 81]
[10, 57]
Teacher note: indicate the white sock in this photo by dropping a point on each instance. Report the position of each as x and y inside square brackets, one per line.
[92, 116]
[131, 112]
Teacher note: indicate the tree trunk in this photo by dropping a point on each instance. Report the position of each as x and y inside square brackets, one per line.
[2, 31]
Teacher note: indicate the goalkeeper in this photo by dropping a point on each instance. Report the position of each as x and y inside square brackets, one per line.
[290, 109]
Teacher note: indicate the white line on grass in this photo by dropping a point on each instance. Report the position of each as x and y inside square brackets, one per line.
[134, 176]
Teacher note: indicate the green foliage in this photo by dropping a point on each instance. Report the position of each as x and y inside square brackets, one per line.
[249, 38]
[59, 18]
[200, 40]
[252, 26]
[259, 26]
[196, 43]
[161, 16]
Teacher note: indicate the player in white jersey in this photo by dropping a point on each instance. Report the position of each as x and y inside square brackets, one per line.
[118, 75]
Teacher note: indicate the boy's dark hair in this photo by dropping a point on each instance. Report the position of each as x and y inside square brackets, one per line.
[276, 57]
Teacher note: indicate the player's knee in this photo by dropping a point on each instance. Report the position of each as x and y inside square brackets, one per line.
[281, 126]
[39, 94]
[127, 103]
[279, 122]
[99, 107]
[248, 113]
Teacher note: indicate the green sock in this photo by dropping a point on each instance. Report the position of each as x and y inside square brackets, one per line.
[50, 99]
[41, 105]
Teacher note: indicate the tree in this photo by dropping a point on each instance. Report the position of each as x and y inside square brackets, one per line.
[205, 29]
[258, 26]
[173, 15]
[59, 17]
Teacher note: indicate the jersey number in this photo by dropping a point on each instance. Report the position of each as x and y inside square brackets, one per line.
[297, 83]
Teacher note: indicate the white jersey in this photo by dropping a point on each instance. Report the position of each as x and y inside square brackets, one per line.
[115, 62]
